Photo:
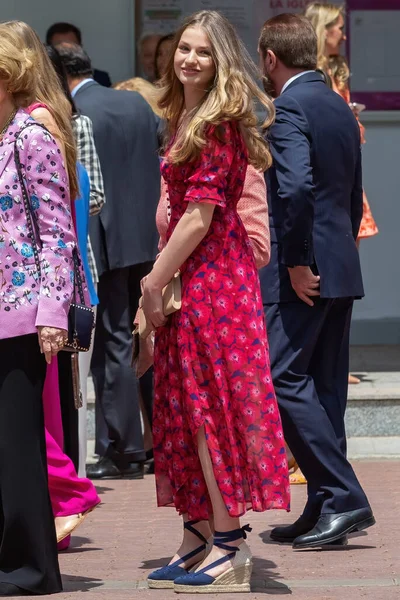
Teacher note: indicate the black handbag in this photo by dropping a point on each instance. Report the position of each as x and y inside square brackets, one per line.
[81, 318]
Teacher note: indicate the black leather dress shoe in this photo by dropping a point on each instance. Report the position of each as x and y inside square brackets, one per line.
[106, 468]
[287, 535]
[332, 527]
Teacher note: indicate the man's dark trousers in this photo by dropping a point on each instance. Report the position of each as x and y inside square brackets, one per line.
[118, 424]
[309, 350]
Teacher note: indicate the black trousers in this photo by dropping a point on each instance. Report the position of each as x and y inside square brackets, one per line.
[309, 350]
[118, 424]
[28, 548]
[69, 414]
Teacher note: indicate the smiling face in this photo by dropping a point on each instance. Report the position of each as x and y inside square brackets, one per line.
[334, 37]
[193, 62]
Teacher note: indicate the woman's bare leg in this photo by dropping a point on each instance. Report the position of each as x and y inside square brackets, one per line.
[147, 435]
[222, 520]
[190, 542]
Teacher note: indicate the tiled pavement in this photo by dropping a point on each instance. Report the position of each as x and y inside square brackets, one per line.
[127, 536]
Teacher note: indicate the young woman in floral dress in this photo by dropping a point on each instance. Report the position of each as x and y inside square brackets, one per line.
[218, 440]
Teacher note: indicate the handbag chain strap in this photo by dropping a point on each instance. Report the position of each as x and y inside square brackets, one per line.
[32, 225]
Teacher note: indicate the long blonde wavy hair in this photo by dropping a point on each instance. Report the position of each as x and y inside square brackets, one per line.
[340, 72]
[322, 16]
[17, 70]
[232, 96]
[48, 91]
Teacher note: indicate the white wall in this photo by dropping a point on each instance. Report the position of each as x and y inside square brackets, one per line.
[107, 27]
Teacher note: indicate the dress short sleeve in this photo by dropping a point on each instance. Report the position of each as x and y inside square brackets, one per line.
[209, 179]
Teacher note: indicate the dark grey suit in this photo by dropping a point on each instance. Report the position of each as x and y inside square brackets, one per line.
[124, 239]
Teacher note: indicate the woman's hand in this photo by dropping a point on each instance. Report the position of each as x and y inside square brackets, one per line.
[143, 283]
[51, 341]
[153, 305]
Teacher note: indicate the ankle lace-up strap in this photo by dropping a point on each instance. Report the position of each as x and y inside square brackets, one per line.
[189, 526]
[222, 537]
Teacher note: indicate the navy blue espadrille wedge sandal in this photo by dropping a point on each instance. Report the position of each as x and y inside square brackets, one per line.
[164, 578]
[235, 579]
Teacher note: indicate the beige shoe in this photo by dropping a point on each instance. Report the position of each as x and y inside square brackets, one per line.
[66, 525]
[296, 477]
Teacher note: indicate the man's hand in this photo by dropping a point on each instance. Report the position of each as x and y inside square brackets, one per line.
[304, 283]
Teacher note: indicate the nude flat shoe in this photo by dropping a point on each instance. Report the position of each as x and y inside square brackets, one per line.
[297, 477]
[66, 525]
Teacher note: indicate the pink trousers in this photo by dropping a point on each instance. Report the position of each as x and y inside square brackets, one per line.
[69, 494]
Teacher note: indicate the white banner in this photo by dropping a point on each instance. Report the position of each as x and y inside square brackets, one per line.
[248, 16]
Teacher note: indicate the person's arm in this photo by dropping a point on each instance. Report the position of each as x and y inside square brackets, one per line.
[206, 189]
[51, 212]
[253, 210]
[290, 146]
[162, 215]
[357, 198]
[88, 157]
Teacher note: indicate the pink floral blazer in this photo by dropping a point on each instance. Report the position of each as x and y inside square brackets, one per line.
[27, 302]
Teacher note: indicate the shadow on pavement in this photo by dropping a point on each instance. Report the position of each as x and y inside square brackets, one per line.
[155, 563]
[328, 548]
[71, 583]
[264, 578]
[264, 535]
[101, 489]
[79, 544]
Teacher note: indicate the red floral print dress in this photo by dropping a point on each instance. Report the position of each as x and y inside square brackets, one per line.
[211, 360]
[368, 226]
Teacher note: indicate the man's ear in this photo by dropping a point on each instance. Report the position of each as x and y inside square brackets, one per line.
[271, 61]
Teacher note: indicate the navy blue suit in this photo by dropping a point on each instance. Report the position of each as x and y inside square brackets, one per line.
[102, 77]
[315, 209]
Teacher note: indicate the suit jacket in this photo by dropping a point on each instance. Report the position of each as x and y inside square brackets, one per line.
[125, 133]
[314, 192]
[27, 302]
[102, 77]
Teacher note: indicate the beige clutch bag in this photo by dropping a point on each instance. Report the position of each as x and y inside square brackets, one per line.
[172, 301]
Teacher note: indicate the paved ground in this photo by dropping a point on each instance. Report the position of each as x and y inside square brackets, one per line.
[128, 536]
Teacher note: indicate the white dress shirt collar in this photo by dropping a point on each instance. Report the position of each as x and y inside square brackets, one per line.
[289, 81]
[80, 84]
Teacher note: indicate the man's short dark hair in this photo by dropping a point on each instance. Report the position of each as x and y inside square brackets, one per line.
[63, 28]
[292, 39]
[75, 60]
